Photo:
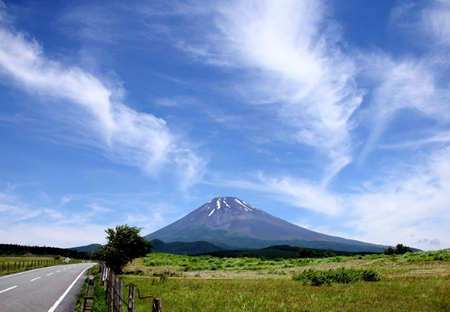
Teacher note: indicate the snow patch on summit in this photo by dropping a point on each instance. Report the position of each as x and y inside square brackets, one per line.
[244, 205]
[211, 212]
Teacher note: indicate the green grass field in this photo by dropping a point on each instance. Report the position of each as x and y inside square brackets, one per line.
[411, 282]
[22, 263]
[23, 258]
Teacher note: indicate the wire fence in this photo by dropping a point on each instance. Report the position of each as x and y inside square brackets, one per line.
[114, 286]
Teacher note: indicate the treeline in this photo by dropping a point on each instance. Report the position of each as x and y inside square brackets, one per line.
[282, 251]
[20, 250]
[184, 248]
[399, 249]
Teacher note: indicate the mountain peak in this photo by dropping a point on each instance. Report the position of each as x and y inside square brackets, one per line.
[233, 222]
[217, 203]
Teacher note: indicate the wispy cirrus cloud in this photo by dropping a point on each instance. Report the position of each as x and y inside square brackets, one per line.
[398, 204]
[296, 192]
[437, 21]
[129, 137]
[290, 55]
[413, 201]
[291, 58]
[78, 219]
[410, 85]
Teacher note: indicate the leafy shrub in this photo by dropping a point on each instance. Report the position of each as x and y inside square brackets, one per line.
[342, 276]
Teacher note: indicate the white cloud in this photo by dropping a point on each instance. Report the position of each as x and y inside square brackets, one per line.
[179, 101]
[437, 21]
[51, 234]
[409, 203]
[24, 223]
[292, 61]
[130, 137]
[409, 84]
[13, 210]
[407, 207]
[296, 192]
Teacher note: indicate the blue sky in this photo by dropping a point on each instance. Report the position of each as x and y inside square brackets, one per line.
[332, 115]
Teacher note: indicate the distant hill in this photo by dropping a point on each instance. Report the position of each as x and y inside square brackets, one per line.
[184, 248]
[231, 223]
[87, 249]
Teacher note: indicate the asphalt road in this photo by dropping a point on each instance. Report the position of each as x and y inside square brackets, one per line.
[52, 289]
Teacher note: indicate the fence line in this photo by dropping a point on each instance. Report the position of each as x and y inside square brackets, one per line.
[18, 265]
[114, 291]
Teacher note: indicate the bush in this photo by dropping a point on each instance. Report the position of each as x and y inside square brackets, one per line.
[340, 276]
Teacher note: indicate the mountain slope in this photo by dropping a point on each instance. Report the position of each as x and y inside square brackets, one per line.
[233, 222]
[87, 249]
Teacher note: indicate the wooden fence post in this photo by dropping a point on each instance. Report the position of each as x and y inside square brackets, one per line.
[157, 305]
[118, 305]
[111, 280]
[131, 296]
[115, 299]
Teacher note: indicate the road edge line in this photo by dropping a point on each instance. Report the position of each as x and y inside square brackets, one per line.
[52, 309]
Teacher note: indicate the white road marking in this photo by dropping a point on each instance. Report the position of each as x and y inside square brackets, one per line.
[20, 273]
[58, 271]
[35, 279]
[2, 291]
[49, 274]
[66, 292]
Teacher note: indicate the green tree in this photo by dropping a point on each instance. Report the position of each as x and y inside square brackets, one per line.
[389, 251]
[306, 253]
[402, 249]
[329, 254]
[124, 244]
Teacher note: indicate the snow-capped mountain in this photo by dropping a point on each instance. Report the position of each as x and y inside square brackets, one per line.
[232, 223]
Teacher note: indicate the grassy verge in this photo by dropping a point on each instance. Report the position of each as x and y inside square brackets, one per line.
[100, 304]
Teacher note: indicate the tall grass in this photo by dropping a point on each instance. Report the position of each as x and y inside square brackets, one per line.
[403, 294]
[411, 282]
[342, 276]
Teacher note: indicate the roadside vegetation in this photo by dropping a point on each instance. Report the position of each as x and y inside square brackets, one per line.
[381, 282]
[99, 304]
